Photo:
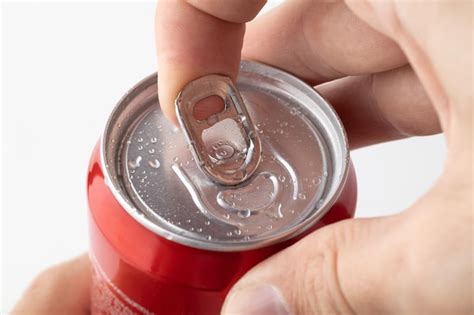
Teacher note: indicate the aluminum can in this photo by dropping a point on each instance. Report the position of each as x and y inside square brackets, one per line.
[164, 239]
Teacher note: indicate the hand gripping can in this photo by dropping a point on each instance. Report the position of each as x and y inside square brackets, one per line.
[178, 215]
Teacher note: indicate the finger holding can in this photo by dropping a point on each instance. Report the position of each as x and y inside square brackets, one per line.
[60, 289]
[196, 38]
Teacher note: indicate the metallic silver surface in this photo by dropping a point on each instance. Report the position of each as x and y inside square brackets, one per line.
[228, 161]
[152, 173]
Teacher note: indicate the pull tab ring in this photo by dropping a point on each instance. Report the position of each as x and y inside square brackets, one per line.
[235, 163]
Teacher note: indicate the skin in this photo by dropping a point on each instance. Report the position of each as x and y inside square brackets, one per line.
[392, 70]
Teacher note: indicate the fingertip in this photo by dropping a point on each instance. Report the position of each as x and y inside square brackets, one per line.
[202, 110]
[167, 93]
[190, 44]
[169, 112]
[207, 107]
[173, 78]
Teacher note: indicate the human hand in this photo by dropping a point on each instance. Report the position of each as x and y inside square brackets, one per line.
[417, 261]
[408, 73]
[61, 289]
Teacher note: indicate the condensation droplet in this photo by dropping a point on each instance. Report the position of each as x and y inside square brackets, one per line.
[135, 163]
[140, 139]
[154, 163]
[209, 237]
[302, 196]
[238, 231]
[207, 222]
[281, 178]
[269, 227]
[153, 140]
[229, 233]
[175, 159]
[151, 150]
[244, 213]
[140, 147]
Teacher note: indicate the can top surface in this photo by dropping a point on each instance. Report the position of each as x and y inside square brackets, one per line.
[151, 172]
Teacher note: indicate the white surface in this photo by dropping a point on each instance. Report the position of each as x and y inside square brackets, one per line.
[64, 67]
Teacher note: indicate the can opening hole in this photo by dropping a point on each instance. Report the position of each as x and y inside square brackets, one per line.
[208, 107]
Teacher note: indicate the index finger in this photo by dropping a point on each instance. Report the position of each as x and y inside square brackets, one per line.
[196, 38]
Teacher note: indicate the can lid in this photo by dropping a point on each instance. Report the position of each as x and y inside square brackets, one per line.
[152, 172]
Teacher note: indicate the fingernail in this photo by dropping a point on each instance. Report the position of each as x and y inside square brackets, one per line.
[258, 300]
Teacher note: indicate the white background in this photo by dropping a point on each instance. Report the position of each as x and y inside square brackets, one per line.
[64, 66]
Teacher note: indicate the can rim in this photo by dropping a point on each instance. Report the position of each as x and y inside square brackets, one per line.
[291, 232]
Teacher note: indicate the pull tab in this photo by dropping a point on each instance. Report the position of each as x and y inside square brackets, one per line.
[225, 145]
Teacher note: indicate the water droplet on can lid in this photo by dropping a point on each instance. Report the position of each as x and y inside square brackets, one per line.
[244, 213]
[281, 178]
[135, 163]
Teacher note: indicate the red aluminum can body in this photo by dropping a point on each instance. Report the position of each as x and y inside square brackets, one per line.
[137, 271]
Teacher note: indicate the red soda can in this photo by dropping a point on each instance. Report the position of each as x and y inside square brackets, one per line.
[178, 215]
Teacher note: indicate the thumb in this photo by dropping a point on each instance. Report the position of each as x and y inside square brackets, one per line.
[339, 269]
